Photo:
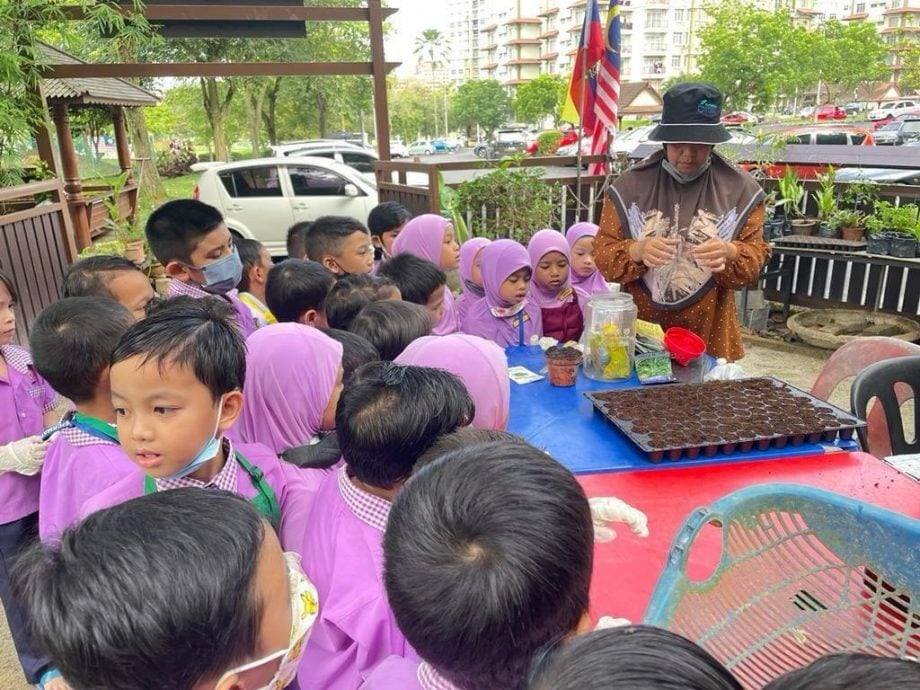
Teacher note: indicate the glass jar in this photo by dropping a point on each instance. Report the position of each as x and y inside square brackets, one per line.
[609, 338]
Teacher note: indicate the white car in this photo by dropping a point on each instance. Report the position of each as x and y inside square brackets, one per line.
[261, 198]
[422, 147]
[398, 150]
[357, 157]
[892, 109]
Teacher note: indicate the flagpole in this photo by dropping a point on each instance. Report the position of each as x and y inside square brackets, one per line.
[581, 110]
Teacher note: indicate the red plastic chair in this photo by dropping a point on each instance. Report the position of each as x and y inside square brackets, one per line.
[850, 360]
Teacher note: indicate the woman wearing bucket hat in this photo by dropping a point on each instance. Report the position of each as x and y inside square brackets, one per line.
[683, 229]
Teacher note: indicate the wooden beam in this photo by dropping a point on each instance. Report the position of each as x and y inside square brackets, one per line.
[72, 184]
[378, 62]
[212, 69]
[243, 13]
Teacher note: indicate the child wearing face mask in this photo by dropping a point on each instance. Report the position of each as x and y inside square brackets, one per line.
[551, 289]
[504, 315]
[196, 594]
[193, 243]
[585, 273]
[177, 381]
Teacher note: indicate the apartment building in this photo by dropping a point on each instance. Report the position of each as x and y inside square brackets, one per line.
[898, 21]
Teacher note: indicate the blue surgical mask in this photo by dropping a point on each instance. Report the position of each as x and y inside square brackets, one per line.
[221, 276]
[206, 454]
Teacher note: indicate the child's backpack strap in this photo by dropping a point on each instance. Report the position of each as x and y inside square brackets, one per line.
[88, 425]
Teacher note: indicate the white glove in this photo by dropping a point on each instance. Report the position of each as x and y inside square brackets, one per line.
[24, 456]
[606, 509]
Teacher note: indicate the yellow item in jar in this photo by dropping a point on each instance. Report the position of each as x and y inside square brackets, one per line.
[609, 353]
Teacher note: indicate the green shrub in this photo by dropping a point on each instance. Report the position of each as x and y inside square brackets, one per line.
[548, 142]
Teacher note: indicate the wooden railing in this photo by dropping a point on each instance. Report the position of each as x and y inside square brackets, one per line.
[95, 211]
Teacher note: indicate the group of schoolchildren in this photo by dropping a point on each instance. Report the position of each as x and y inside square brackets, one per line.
[297, 475]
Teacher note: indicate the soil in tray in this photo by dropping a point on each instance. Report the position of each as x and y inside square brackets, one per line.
[685, 420]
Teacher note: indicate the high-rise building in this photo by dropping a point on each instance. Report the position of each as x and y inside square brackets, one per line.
[898, 21]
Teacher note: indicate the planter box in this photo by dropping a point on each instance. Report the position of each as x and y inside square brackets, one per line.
[824, 230]
[903, 247]
[878, 244]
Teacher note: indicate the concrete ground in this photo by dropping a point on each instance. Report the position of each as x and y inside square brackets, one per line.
[795, 363]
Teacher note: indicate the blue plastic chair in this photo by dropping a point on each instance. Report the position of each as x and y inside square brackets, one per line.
[803, 573]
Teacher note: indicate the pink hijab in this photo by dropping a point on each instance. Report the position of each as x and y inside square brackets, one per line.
[291, 371]
[592, 284]
[423, 236]
[499, 260]
[480, 364]
[471, 292]
[541, 244]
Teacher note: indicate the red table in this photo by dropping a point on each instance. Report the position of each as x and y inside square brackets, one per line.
[627, 569]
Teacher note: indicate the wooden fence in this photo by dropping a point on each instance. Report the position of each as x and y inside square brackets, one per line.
[36, 246]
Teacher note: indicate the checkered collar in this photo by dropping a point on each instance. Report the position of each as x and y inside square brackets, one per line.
[17, 358]
[369, 509]
[430, 679]
[179, 287]
[224, 480]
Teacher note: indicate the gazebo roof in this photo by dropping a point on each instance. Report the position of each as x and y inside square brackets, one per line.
[96, 91]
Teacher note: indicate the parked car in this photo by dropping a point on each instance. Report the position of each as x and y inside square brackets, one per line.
[506, 141]
[902, 129]
[853, 108]
[820, 135]
[891, 118]
[828, 111]
[892, 109]
[881, 175]
[261, 198]
[807, 112]
[421, 147]
[398, 150]
[568, 137]
[357, 157]
[289, 148]
[740, 117]
[445, 145]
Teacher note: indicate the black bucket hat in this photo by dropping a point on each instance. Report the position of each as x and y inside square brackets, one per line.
[692, 114]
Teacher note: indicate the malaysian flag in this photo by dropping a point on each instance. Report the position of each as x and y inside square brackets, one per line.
[607, 88]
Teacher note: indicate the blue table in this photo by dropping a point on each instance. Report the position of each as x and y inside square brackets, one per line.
[563, 422]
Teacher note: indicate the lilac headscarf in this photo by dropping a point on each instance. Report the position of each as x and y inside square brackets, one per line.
[499, 260]
[541, 244]
[592, 284]
[449, 321]
[480, 364]
[422, 236]
[471, 292]
[291, 371]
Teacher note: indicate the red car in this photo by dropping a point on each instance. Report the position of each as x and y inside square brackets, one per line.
[831, 112]
[568, 137]
[913, 112]
[739, 117]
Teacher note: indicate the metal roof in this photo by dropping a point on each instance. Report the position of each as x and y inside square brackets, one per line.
[98, 91]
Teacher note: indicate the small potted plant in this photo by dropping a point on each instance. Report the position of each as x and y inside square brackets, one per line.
[902, 222]
[826, 199]
[562, 364]
[792, 192]
[850, 224]
[877, 239]
[774, 224]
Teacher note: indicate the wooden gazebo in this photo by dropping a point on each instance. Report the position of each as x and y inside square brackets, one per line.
[87, 211]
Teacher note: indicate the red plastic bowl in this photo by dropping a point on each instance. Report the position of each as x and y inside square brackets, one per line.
[684, 345]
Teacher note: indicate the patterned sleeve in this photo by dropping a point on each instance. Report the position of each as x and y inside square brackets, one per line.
[612, 249]
[753, 252]
[50, 399]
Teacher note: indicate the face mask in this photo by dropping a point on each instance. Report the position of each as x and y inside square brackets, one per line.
[684, 178]
[304, 607]
[206, 454]
[221, 276]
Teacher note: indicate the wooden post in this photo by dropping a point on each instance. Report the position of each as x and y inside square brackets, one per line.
[42, 134]
[121, 141]
[72, 185]
[379, 72]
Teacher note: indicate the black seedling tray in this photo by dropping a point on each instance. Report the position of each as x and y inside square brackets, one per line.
[687, 420]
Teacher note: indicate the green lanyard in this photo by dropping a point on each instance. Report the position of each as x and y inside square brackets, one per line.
[94, 427]
[265, 500]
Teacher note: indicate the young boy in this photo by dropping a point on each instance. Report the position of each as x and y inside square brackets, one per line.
[384, 222]
[488, 554]
[192, 241]
[390, 325]
[296, 292]
[341, 244]
[297, 239]
[256, 264]
[177, 381]
[110, 276]
[387, 417]
[851, 672]
[181, 589]
[419, 281]
[84, 456]
[352, 293]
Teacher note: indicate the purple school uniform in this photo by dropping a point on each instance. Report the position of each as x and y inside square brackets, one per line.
[294, 487]
[243, 314]
[77, 466]
[343, 557]
[25, 397]
[471, 291]
[594, 283]
[396, 673]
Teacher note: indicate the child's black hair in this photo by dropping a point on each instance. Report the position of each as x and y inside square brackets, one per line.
[297, 239]
[90, 277]
[200, 334]
[634, 657]
[390, 414]
[356, 351]
[156, 592]
[296, 286]
[387, 216]
[175, 228]
[7, 282]
[250, 256]
[851, 672]
[415, 277]
[351, 294]
[73, 340]
[327, 235]
[390, 325]
[488, 554]
[463, 438]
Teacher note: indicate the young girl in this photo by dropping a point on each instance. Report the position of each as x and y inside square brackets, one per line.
[27, 406]
[504, 314]
[293, 383]
[470, 257]
[480, 364]
[432, 237]
[584, 271]
[551, 289]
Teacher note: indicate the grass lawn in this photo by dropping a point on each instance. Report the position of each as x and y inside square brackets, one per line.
[176, 188]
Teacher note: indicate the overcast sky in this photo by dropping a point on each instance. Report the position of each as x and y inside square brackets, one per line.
[412, 18]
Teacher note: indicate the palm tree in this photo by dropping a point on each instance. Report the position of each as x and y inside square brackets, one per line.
[429, 45]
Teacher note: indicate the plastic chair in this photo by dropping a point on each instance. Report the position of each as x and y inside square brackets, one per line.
[888, 381]
[803, 573]
[849, 360]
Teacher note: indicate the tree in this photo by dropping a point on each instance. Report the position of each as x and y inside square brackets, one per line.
[910, 60]
[430, 44]
[844, 55]
[409, 102]
[540, 97]
[482, 102]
